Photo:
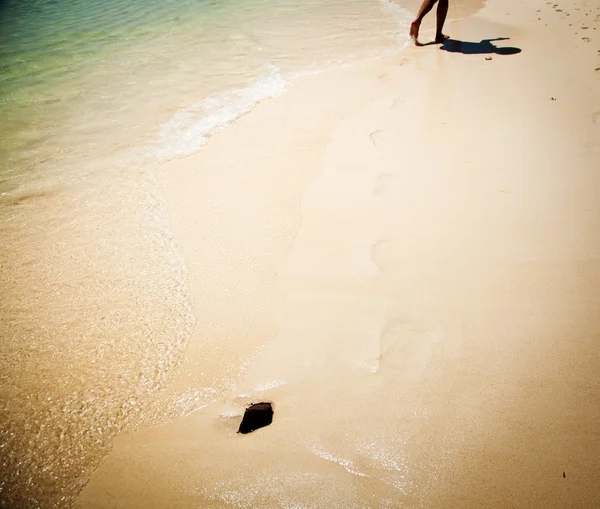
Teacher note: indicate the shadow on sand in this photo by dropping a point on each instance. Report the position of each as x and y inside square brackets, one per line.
[479, 48]
[484, 47]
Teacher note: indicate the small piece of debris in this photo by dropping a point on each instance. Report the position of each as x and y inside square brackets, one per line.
[564, 474]
[553, 98]
[488, 58]
[256, 416]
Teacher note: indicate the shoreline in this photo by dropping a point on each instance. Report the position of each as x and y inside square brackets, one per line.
[412, 254]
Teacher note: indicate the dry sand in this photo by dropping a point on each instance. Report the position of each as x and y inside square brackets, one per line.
[404, 256]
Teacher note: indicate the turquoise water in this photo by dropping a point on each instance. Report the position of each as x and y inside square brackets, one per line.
[85, 69]
[95, 311]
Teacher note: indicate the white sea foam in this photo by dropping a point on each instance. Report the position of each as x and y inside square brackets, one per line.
[399, 12]
[231, 413]
[191, 127]
[402, 17]
[269, 384]
[346, 464]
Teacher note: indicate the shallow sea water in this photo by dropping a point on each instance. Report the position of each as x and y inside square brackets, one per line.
[95, 310]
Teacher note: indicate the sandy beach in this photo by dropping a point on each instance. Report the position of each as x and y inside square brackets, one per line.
[404, 257]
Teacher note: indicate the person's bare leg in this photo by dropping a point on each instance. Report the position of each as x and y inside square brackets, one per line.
[425, 8]
[442, 11]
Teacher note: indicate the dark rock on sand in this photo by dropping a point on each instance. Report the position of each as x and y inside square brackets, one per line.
[256, 416]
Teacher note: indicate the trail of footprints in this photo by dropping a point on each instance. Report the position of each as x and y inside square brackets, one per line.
[590, 22]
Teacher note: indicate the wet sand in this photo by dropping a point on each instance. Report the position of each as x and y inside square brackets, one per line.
[403, 257]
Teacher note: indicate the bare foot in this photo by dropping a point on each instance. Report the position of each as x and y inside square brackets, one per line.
[414, 30]
[440, 38]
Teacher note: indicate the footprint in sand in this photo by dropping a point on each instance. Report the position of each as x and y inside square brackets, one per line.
[383, 256]
[379, 137]
[394, 259]
[407, 347]
[382, 183]
[398, 101]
